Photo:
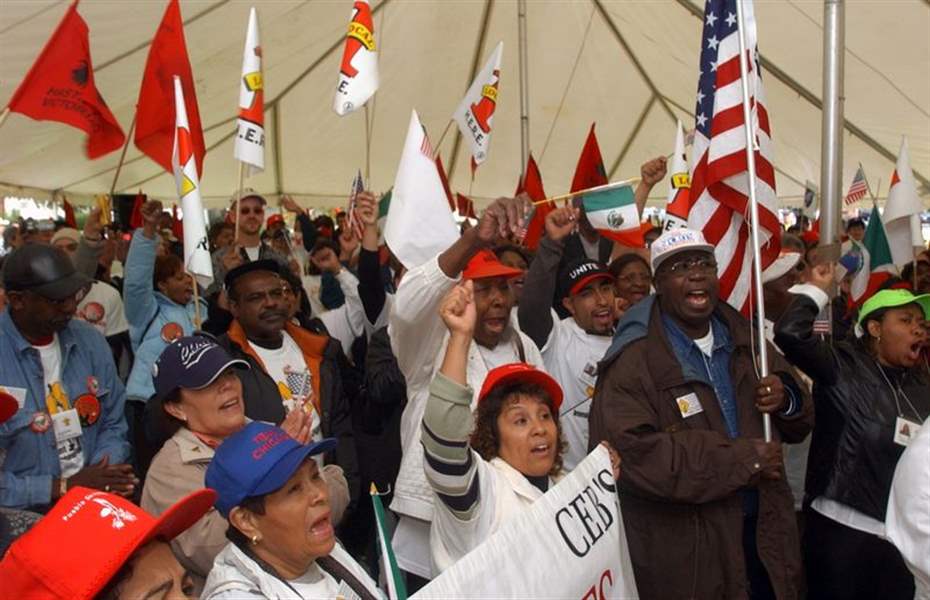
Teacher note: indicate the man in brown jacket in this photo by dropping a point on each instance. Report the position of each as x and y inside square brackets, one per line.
[707, 511]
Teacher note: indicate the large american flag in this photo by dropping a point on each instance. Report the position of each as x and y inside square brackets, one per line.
[857, 188]
[719, 177]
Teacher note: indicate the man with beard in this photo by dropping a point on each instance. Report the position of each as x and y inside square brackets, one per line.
[707, 510]
[570, 347]
[419, 337]
[291, 368]
[69, 429]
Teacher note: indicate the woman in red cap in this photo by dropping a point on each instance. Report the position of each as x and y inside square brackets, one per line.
[486, 474]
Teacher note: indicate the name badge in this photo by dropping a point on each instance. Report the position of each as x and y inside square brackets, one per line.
[689, 405]
[904, 431]
[346, 593]
[67, 425]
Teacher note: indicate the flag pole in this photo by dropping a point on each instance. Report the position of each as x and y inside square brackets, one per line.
[239, 196]
[597, 188]
[197, 322]
[441, 138]
[367, 148]
[4, 114]
[122, 156]
[753, 210]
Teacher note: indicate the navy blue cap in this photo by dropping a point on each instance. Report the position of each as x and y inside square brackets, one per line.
[191, 363]
[255, 461]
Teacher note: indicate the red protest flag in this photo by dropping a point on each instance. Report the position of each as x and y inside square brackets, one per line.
[135, 219]
[155, 118]
[60, 87]
[533, 186]
[177, 227]
[445, 182]
[464, 206]
[70, 221]
[589, 173]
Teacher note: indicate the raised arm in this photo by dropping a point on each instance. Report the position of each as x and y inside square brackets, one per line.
[308, 230]
[138, 293]
[535, 312]
[370, 287]
[651, 172]
[91, 245]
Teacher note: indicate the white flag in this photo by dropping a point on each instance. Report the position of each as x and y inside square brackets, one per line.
[679, 191]
[419, 222]
[250, 136]
[902, 211]
[358, 73]
[475, 113]
[196, 249]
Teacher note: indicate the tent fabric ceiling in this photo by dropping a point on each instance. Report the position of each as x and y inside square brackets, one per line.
[636, 72]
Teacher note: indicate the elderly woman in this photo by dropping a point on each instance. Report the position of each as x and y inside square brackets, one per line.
[633, 278]
[484, 476]
[282, 543]
[201, 397]
[871, 397]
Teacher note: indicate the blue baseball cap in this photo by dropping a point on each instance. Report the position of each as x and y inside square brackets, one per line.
[255, 461]
[191, 363]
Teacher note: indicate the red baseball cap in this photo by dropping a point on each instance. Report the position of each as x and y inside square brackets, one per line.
[521, 373]
[485, 264]
[274, 220]
[84, 540]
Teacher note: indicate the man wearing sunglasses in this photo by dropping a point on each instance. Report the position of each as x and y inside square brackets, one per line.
[678, 396]
[69, 428]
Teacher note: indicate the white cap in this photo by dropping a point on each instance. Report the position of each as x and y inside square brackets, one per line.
[675, 241]
[780, 266]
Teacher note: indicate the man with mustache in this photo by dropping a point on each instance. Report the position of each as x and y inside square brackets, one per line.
[571, 347]
[291, 368]
[678, 396]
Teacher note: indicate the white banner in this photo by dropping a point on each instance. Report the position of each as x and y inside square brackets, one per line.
[250, 134]
[570, 544]
[358, 72]
[476, 111]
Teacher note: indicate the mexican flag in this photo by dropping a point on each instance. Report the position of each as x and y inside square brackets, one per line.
[876, 263]
[389, 570]
[902, 211]
[611, 209]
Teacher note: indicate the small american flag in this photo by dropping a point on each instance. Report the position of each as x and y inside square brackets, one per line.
[355, 224]
[425, 147]
[857, 189]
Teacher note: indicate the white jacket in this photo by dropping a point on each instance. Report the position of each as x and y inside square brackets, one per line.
[418, 339]
[235, 576]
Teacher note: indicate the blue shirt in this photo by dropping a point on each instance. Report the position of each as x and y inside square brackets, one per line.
[32, 461]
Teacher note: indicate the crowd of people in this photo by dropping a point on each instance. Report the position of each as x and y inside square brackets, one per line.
[163, 439]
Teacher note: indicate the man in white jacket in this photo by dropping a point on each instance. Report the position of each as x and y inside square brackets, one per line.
[418, 339]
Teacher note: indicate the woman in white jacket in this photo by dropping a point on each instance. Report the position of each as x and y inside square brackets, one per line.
[485, 474]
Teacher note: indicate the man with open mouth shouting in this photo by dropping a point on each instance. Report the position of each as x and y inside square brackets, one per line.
[678, 397]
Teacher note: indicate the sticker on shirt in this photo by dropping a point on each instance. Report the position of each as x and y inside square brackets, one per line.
[95, 314]
[40, 422]
[689, 405]
[57, 399]
[297, 388]
[904, 431]
[170, 332]
[67, 425]
[88, 409]
[93, 386]
[18, 394]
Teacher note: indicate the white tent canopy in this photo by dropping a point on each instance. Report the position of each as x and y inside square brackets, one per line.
[629, 66]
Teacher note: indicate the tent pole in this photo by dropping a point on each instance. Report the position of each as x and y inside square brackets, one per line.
[441, 138]
[122, 156]
[759, 308]
[524, 88]
[831, 149]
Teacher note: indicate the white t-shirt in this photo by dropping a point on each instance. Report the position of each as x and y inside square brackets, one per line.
[70, 453]
[102, 307]
[706, 343]
[571, 356]
[252, 253]
[287, 367]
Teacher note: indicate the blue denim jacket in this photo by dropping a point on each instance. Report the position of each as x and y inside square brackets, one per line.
[148, 312]
[31, 460]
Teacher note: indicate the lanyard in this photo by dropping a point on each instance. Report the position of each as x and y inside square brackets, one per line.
[897, 390]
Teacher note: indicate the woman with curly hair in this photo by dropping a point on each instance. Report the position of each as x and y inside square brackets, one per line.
[484, 476]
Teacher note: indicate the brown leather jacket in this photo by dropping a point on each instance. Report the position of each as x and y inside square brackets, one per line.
[681, 478]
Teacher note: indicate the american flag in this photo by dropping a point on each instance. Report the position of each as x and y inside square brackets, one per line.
[425, 147]
[857, 189]
[355, 224]
[719, 177]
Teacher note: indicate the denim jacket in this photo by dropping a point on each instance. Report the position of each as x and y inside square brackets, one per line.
[31, 459]
[148, 312]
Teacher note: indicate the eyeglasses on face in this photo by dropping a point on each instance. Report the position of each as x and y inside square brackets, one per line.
[701, 264]
[251, 210]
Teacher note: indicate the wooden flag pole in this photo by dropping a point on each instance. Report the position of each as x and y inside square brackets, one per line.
[441, 138]
[239, 196]
[122, 156]
[4, 114]
[597, 188]
[367, 149]
[197, 322]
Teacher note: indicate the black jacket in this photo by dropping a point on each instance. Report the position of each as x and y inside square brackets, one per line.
[853, 454]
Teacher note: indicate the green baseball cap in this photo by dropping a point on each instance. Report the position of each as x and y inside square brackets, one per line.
[893, 298]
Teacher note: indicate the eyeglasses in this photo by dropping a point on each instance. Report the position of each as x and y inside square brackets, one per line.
[245, 210]
[701, 264]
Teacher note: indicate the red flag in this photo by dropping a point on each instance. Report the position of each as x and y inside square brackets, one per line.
[533, 186]
[445, 182]
[60, 87]
[135, 219]
[155, 118]
[464, 206]
[177, 227]
[70, 221]
[589, 173]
